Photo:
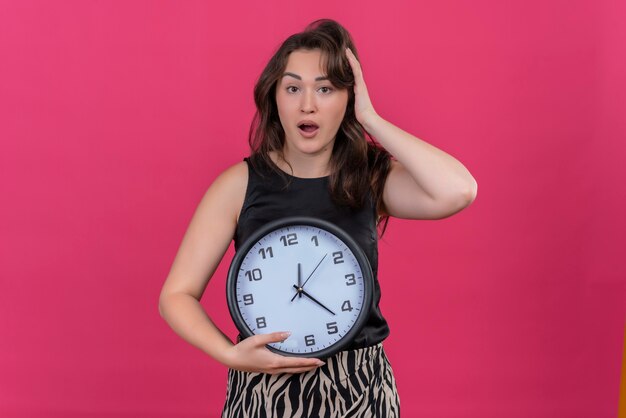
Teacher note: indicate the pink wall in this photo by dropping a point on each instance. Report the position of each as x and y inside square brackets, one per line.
[115, 116]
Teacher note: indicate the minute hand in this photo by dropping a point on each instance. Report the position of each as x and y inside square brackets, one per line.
[318, 264]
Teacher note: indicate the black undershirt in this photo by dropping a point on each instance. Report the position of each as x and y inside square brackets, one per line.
[269, 196]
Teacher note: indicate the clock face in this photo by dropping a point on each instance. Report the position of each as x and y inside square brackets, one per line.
[305, 276]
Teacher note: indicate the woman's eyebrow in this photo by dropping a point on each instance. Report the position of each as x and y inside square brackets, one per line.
[296, 76]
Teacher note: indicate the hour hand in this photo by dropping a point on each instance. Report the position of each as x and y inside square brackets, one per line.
[302, 291]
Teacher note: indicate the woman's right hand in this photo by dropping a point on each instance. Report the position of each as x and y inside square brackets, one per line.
[251, 355]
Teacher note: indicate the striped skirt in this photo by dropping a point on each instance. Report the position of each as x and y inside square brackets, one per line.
[354, 383]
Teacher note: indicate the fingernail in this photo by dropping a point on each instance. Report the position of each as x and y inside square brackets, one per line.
[320, 363]
[286, 335]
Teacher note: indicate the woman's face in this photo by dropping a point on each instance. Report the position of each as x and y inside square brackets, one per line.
[304, 96]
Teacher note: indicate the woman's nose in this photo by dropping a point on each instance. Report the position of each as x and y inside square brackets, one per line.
[308, 102]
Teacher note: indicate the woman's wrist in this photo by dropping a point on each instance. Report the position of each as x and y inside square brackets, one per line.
[370, 122]
[224, 353]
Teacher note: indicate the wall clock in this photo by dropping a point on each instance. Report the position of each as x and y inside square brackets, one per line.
[303, 275]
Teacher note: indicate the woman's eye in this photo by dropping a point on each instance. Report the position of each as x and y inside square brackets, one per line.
[294, 89]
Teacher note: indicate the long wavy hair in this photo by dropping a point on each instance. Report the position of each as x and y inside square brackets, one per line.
[357, 164]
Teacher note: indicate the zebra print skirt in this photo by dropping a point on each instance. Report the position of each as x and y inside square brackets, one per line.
[354, 383]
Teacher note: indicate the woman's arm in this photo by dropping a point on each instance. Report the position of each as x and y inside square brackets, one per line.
[424, 182]
[203, 246]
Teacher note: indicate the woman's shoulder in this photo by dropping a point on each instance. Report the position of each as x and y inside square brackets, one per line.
[229, 188]
[234, 178]
[236, 172]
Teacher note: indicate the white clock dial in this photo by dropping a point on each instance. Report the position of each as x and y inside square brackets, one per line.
[320, 307]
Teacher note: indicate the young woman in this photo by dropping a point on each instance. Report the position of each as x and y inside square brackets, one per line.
[310, 156]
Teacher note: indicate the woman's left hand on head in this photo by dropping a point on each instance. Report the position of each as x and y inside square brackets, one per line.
[363, 108]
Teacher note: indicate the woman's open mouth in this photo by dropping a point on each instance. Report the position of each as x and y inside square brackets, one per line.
[308, 129]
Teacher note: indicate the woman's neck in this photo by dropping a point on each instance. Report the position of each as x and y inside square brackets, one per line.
[302, 165]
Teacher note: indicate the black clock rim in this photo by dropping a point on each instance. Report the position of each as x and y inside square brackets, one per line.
[366, 269]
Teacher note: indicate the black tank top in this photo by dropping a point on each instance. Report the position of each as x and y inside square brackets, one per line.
[269, 197]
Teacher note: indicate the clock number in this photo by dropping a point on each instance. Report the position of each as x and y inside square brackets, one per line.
[346, 307]
[332, 328]
[289, 239]
[248, 299]
[309, 340]
[260, 322]
[267, 250]
[338, 257]
[314, 239]
[350, 279]
[254, 274]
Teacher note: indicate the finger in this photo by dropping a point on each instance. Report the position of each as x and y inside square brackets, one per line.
[298, 362]
[273, 337]
[295, 370]
[294, 363]
[354, 62]
[351, 59]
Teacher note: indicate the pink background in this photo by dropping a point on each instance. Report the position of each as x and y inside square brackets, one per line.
[115, 116]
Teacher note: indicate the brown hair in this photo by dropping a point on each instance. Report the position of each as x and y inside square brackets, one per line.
[356, 164]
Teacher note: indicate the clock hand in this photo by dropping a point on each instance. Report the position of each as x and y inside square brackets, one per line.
[300, 290]
[300, 277]
[318, 264]
[299, 287]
